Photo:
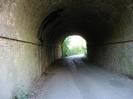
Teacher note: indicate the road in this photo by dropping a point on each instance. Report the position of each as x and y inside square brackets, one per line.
[73, 78]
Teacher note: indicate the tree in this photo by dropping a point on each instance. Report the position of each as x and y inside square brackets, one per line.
[69, 50]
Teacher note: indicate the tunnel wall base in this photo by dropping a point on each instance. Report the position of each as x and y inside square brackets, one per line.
[49, 54]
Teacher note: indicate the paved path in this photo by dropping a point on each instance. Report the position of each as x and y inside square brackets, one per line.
[73, 79]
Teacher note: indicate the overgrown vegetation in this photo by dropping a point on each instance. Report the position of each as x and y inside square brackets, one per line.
[74, 45]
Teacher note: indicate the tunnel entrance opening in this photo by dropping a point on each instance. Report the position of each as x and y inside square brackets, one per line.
[74, 45]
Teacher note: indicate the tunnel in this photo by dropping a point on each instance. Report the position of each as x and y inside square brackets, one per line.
[32, 31]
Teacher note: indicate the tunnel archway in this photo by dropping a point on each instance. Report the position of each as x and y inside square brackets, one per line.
[102, 24]
[74, 45]
[105, 24]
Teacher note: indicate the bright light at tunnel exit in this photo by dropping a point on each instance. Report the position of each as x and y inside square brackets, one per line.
[74, 45]
[76, 41]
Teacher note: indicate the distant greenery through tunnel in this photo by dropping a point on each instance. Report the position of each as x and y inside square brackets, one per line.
[74, 45]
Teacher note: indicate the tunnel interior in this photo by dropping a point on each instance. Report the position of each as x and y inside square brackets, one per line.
[31, 33]
[100, 23]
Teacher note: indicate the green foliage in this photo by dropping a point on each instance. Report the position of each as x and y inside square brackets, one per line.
[65, 47]
[69, 50]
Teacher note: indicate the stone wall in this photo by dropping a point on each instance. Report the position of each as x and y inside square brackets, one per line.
[117, 53]
[20, 66]
[20, 60]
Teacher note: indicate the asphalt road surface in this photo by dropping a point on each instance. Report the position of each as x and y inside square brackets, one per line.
[73, 78]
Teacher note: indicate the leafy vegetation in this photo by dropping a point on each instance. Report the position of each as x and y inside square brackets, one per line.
[74, 45]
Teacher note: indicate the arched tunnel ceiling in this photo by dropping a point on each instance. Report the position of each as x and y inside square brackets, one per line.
[94, 19]
[86, 16]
